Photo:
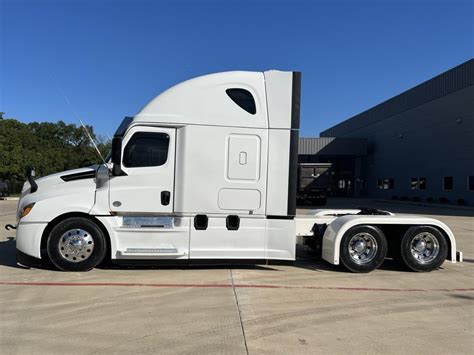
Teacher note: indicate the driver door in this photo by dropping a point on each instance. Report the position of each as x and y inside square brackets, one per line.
[148, 160]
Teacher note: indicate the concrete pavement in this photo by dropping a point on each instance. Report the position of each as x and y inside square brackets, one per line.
[308, 307]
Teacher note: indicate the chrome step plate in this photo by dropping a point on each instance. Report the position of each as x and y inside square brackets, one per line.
[151, 251]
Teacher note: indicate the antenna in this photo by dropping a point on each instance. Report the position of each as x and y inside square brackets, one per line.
[82, 124]
[92, 141]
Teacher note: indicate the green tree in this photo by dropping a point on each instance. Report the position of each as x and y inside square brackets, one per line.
[49, 147]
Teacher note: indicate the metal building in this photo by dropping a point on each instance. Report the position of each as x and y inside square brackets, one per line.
[419, 144]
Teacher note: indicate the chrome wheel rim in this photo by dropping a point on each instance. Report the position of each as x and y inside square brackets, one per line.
[76, 245]
[424, 247]
[363, 248]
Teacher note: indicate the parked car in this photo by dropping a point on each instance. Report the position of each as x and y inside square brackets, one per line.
[3, 189]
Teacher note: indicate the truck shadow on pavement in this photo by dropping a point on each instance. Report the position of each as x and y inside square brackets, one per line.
[305, 259]
[8, 253]
[308, 259]
[323, 266]
[8, 256]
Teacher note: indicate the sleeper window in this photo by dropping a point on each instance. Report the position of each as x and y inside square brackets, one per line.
[244, 99]
[146, 149]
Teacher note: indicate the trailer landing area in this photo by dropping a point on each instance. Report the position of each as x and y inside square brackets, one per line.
[308, 307]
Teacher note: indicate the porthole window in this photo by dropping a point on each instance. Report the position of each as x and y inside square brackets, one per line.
[244, 99]
[146, 149]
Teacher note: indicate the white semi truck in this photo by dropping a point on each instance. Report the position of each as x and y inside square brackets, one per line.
[207, 170]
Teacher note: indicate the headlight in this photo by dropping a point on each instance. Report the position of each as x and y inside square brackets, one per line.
[27, 209]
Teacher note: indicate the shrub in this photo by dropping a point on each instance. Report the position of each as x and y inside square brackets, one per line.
[443, 200]
[461, 202]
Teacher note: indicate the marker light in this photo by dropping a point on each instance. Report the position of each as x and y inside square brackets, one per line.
[27, 209]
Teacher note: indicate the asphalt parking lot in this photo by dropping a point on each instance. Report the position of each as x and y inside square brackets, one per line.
[308, 307]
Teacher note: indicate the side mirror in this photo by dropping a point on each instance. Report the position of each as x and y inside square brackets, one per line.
[101, 175]
[30, 174]
[117, 156]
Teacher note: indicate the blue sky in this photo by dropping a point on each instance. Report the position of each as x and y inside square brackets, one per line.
[111, 57]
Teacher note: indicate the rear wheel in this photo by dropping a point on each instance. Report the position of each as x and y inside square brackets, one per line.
[76, 244]
[423, 248]
[363, 248]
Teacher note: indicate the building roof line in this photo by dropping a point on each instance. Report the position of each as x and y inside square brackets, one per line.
[455, 79]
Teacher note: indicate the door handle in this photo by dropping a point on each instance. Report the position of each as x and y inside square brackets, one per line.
[165, 198]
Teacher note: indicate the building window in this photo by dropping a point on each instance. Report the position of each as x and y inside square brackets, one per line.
[391, 184]
[244, 99]
[385, 184]
[470, 183]
[422, 183]
[146, 149]
[418, 183]
[448, 183]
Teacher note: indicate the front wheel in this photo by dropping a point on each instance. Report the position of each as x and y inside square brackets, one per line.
[423, 248]
[363, 248]
[76, 244]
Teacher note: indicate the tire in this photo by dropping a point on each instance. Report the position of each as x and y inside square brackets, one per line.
[76, 244]
[423, 248]
[363, 248]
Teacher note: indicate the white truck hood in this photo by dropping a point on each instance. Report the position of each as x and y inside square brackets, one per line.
[59, 191]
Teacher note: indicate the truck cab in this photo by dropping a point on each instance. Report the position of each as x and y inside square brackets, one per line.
[206, 170]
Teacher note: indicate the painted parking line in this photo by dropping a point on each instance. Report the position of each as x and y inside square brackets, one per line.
[257, 286]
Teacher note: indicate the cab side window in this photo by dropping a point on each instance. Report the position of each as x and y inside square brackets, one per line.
[146, 149]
